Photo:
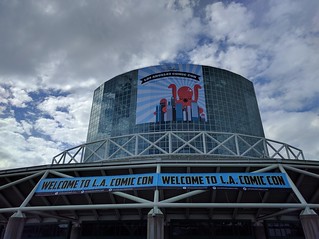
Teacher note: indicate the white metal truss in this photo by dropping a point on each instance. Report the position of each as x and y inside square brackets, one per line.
[202, 143]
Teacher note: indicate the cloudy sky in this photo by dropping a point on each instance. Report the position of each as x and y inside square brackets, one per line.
[53, 54]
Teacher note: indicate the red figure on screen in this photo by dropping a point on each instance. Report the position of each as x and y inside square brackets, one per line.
[185, 95]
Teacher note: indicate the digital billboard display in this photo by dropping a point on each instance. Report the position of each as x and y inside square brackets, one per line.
[171, 93]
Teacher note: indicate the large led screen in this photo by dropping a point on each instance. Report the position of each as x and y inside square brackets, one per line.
[170, 93]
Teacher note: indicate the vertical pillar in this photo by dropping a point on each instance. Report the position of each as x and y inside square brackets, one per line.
[259, 230]
[75, 231]
[2, 231]
[310, 223]
[15, 226]
[155, 225]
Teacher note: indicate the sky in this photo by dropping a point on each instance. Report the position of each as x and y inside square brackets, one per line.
[54, 54]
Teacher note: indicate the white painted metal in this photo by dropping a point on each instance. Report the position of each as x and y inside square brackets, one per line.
[164, 144]
[159, 205]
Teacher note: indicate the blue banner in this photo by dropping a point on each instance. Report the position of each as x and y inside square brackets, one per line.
[226, 180]
[96, 184]
[244, 181]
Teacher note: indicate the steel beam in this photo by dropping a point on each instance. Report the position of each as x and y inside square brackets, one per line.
[28, 198]
[279, 213]
[182, 196]
[131, 197]
[293, 186]
[301, 171]
[62, 175]
[20, 180]
[159, 205]
[266, 169]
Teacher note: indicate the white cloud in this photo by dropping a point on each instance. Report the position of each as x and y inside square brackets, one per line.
[3, 97]
[294, 72]
[245, 61]
[46, 7]
[299, 129]
[231, 28]
[27, 127]
[10, 125]
[228, 22]
[18, 150]
[206, 55]
[2, 109]
[80, 42]
[14, 95]
[36, 140]
[19, 97]
[69, 118]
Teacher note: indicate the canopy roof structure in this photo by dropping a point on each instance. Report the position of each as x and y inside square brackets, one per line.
[18, 187]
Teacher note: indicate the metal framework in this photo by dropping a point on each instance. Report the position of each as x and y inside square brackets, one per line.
[171, 143]
[257, 205]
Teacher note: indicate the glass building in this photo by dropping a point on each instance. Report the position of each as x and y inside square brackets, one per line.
[229, 101]
[186, 99]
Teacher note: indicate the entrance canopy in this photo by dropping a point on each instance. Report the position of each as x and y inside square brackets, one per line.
[18, 191]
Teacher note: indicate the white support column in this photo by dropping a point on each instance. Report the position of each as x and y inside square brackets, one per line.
[170, 142]
[75, 231]
[155, 218]
[156, 192]
[266, 152]
[237, 145]
[259, 230]
[15, 226]
[310, 223]
[155, 224]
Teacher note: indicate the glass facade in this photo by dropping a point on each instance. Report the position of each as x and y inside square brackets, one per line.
[206, 229]
[184, 98]
[46, 230]
[284, 230]
[230, 99]
[114, 229]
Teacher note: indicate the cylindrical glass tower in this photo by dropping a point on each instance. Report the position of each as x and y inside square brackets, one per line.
[175, 98]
